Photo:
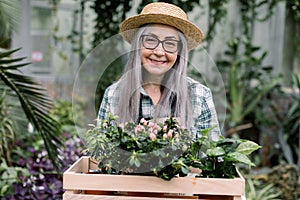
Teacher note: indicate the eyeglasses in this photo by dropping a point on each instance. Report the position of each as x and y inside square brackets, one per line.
[169, 45]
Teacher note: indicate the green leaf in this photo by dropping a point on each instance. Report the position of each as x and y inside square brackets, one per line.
[252, 103]
[137, 162]
[205, 133]
[247, 147]
[4, 189]
[34, 102]
[10, 17]
[218, 151]
[240, 158]
[185, 169]
[131, 160]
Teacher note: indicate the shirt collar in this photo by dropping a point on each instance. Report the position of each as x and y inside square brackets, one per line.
[142, 91]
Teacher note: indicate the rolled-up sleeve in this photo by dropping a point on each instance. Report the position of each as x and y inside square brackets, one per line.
[204, 112]
[109, 103]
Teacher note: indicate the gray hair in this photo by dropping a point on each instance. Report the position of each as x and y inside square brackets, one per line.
[174, 83]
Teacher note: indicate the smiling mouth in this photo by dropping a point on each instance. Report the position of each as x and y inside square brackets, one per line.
[157, 62]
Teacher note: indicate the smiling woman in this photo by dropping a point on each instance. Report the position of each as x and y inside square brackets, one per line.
[156, 60]
[154, 84]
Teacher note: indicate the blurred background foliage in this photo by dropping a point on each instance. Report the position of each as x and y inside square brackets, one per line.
[261, 105]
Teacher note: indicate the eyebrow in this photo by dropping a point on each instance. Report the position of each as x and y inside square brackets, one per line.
[168, 37]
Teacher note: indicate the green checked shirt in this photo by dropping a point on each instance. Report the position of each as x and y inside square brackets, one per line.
[204, 112]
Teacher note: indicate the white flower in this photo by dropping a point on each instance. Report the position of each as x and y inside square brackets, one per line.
[30, 128]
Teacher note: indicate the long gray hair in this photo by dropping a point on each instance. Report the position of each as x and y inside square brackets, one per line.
[174, 86]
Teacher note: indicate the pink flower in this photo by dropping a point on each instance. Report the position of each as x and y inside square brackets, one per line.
[143, 121]
[165, 136]
[138, 129]
[150, 130]
[151, 124]
[165, 128]
[156, 127]
[152, 136]
[170, 133]
[122, 125]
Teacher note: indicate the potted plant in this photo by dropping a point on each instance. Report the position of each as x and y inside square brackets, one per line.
[164, 149]
[127, 157]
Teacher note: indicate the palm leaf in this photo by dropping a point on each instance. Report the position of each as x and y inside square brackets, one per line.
[7, 128]
[34, 103]
[9, 60]
[9, 17]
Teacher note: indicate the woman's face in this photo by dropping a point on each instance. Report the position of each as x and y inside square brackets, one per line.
[159, 60]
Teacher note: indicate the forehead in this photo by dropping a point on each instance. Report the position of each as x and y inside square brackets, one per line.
[162, 31]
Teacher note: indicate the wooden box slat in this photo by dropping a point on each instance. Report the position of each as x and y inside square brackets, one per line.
[77, 179]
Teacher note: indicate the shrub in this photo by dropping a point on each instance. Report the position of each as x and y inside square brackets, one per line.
[42, 180]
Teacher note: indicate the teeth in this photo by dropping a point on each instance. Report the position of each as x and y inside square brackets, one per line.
[157, 61]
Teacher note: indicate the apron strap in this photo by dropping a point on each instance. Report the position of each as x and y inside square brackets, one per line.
[173, 105]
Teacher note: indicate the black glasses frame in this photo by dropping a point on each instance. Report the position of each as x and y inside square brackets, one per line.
[162, 42]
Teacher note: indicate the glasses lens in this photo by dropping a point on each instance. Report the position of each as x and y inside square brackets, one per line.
[150, 42]
[170, 45]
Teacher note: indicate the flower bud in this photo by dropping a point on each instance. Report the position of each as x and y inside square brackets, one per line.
[143, 121]
[122, 126]
[165, 128]
[152, 136]
[170, 133]
[184, 148]
[138, 129]
[151, 124]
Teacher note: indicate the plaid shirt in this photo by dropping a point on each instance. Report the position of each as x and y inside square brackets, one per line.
[204, 112]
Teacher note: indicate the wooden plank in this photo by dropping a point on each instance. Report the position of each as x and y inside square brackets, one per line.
[153, 184]
[76, 178]
[80, 166]
[73, 195]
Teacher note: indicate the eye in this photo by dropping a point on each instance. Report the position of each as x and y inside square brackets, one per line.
[150, 40]
[171, 43]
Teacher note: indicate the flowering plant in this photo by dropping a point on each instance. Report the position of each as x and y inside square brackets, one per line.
[164, 149]
[144, 148]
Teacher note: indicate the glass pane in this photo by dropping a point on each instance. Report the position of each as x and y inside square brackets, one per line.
[41, 18]
[41, 52]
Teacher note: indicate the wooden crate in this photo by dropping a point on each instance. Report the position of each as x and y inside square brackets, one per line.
[79, 184]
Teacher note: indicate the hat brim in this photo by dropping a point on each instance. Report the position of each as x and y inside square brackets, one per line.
[192, 33]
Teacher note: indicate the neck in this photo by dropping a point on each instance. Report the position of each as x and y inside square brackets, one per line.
[154, 91]
[152, 86]
[151, 79]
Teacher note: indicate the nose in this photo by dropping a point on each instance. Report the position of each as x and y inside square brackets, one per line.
[159, 50]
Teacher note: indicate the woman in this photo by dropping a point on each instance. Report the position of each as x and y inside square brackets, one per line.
[155, 83]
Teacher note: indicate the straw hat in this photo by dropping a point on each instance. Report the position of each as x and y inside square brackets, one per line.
[163, 13]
